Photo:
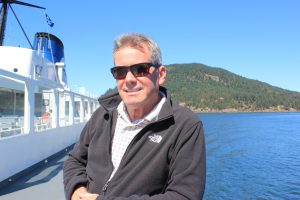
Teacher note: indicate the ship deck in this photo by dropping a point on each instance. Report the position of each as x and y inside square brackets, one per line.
[44, 182]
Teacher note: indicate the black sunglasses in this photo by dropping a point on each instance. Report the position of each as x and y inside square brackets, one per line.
[138, 70]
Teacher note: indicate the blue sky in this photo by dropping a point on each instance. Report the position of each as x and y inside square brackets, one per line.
[257, 39]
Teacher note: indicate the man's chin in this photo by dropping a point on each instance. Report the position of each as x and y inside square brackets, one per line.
[132, 102]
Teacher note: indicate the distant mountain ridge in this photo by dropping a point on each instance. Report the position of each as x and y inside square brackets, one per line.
[204, 88]
[209, 89]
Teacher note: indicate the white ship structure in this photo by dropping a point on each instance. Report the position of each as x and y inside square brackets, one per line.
[39, 115]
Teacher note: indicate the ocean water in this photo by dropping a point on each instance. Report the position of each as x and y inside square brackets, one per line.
[252, 155]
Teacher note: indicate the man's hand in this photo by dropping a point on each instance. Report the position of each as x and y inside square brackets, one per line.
[88, 196]
[82, 194]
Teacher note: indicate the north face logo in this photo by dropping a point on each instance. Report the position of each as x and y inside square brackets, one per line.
[155, 138]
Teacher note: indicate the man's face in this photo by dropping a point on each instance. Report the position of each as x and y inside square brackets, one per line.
[138, 92]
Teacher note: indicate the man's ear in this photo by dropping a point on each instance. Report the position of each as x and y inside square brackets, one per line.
[162, 73]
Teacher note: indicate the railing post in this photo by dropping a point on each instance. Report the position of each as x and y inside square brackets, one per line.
[29, 107]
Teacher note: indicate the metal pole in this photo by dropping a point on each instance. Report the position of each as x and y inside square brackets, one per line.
[3, 22]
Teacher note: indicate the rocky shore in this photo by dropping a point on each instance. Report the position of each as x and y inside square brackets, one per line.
[236, 110]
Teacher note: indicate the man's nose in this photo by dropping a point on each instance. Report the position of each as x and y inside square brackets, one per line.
[130, 77]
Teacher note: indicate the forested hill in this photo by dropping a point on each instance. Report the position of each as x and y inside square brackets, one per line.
[210, 89]
[204, 88]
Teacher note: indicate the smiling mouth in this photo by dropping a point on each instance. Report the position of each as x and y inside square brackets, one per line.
[132, 90]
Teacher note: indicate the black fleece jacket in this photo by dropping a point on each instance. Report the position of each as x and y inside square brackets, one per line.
[166, 160]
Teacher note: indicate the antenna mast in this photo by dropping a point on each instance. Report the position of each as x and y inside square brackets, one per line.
[3, 15]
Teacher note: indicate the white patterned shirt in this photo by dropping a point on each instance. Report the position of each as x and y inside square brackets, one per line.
[126, 130]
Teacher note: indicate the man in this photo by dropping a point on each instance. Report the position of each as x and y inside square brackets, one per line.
[138, 144]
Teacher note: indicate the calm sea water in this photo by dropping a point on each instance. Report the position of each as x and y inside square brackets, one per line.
[252, 155]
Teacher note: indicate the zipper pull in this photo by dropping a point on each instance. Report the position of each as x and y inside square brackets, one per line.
[104, 188]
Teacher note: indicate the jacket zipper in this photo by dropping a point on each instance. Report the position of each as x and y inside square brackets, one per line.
[130, 145]
[104, 188]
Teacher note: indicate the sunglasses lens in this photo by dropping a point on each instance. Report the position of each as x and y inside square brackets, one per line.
[119, 72]
[140, 70]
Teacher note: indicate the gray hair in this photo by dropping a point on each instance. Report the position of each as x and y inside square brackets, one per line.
[136, 40]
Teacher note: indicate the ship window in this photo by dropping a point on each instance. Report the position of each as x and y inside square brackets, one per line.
[64, 109]
[94, 105]
[43, 109]
[11, 107]
[78, 112]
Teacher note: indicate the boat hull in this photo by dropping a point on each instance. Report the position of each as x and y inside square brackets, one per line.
[23, 151]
